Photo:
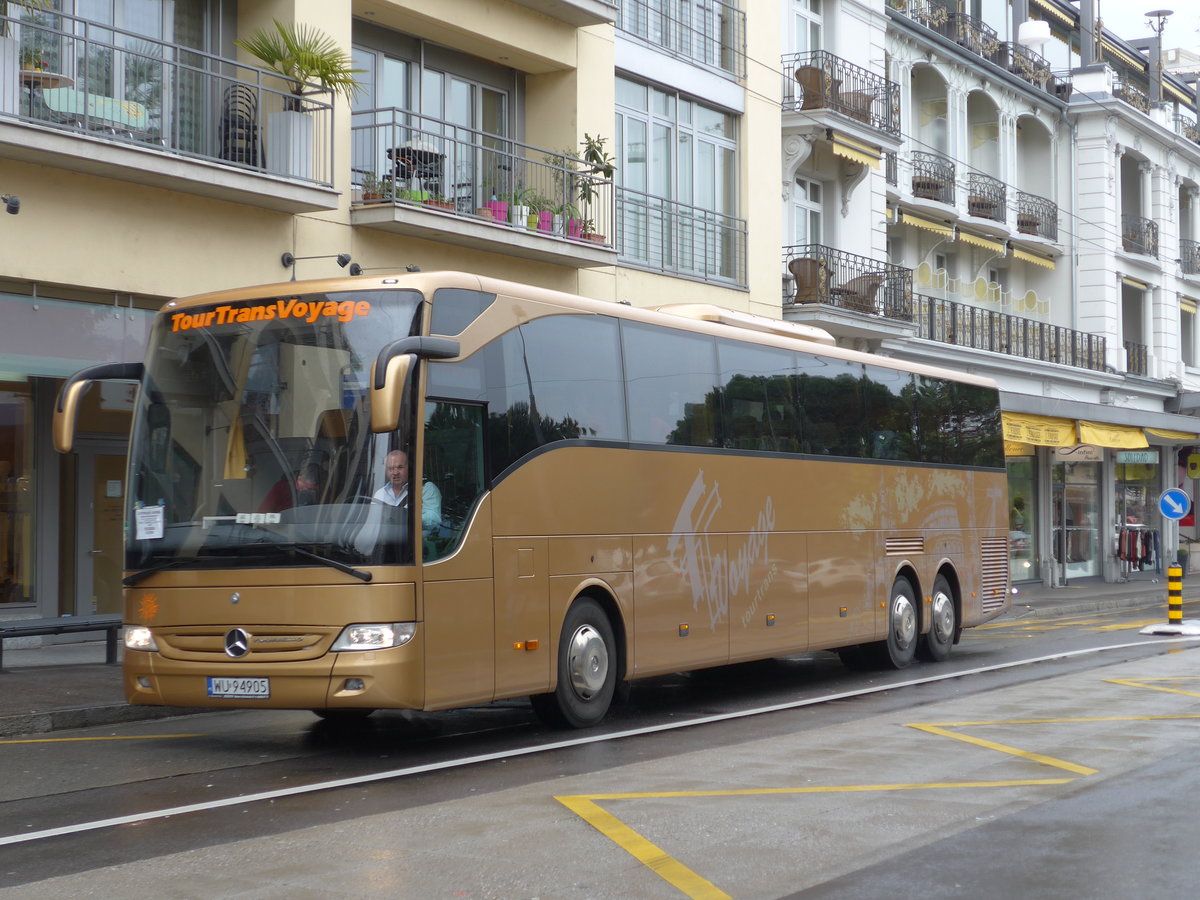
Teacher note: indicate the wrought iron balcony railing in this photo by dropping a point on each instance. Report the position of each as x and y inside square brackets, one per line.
[815, 273]
[820, 80]
[1137, 359]
[1139, 235]
[399, 156]
[1187, 127]
[1037, 216]
[981, 39]
[951, 322]
[1131, 94]
[932, 177]
[987, 197]
[1189, 257]
[678, 238]
[92, 79]
[709, 32]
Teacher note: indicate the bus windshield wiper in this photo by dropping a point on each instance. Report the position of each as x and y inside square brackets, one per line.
[317, 557]
[131, 580]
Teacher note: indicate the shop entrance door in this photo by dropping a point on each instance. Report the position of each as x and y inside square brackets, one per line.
[1076, 520]
[99, 532]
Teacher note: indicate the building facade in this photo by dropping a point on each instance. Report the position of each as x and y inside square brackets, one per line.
[1028, 184]
[152, 158]
[996, 185]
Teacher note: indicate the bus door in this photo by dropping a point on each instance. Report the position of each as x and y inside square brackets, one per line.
[457, 550]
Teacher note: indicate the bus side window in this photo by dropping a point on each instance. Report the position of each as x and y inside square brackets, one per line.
[454, 464]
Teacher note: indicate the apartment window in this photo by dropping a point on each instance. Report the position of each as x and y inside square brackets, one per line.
[806, 212]
[677, 180]
[1187, 331]
[806, 25]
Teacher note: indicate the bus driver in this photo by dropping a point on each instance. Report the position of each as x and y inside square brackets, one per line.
[395, 492]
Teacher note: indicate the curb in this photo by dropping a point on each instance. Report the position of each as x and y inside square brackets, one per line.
[85, 716]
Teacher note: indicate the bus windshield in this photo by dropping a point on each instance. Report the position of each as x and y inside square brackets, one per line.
[252, 442]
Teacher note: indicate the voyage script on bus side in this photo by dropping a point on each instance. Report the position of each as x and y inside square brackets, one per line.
[308, 310]
[714, 578]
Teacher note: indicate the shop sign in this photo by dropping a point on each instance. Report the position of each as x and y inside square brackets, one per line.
[1193, 465]
[1137, 456]
[1079, 453]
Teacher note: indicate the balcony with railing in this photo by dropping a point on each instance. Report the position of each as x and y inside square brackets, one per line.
[1037, 216]
[428, 177]
[819, 80]
[1139, 235]
[815, 273]
[710, 33]
[980, 39]
[987, 197]
[92, 98]
[1186, 127]
[963, 325]
[1189, 257]
[579, 13]
[1131, 93]
[679, 239]
[1137, 359]
[932, 177]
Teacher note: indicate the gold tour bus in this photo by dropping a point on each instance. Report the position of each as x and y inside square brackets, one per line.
[437, 489]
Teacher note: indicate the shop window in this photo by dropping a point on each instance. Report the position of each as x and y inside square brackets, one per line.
[16, 494]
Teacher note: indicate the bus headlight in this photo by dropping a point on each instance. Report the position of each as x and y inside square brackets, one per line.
[375, 637]
[138, 637]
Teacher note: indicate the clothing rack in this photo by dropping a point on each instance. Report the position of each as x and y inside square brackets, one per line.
[1139, 549]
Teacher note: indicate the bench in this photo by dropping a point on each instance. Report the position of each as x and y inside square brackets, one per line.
[110, 624]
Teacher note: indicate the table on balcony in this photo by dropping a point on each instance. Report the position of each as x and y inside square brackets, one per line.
[41, 80]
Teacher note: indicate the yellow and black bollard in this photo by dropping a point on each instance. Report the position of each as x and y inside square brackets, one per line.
[1174, 595]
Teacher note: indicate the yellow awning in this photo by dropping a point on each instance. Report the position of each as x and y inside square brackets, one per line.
[928, 224]
[1168, 435]
[1026, 256]
[1018, 448]
[1188, 305]
[855, 151]
[1181, 96]
[1134, 283]
[1056, 12]
[980, 241]
[1124, 437]
[1112, 50]
[1043, 431]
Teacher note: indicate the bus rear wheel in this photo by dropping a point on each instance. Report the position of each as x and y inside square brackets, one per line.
[587, 674]
[903, 626]
[936, 644]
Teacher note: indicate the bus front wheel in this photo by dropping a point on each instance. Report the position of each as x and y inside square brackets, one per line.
[943, 620]
[587, 674]
[903, 626]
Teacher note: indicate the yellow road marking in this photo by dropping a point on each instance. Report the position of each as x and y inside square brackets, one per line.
[71, 740]
[1004, 748]
[1140, 624]
[1141, 683]
[690, 883]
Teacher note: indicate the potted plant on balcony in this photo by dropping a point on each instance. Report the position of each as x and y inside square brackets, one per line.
[303, 56]
[602, 169]
[11, 61]
[372, 190]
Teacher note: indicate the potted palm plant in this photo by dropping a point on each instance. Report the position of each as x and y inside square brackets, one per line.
[303, 56]
[602, 169]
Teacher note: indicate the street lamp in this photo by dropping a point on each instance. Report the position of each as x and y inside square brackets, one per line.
[1157, 20]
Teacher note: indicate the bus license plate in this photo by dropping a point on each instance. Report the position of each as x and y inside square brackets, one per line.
[259, 688]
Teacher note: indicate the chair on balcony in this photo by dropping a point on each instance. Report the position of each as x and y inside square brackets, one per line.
[982, 207]
[418, 164]
[859, 292]
[240, 137]
[809, 277]
[1028, 223]
[817, 87]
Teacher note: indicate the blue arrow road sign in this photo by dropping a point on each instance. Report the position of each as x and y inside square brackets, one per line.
[1174, 503]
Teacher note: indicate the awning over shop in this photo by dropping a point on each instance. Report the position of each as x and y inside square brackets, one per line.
[1025, 430]
[928, 224]
[980, 241]
[1043, 431]
[1121, 436]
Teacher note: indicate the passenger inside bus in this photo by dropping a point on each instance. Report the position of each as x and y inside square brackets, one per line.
[303, 491]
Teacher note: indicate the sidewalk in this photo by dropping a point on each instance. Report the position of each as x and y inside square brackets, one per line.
[68, 685]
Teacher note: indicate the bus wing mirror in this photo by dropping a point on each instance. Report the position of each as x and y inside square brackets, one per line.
[72, 390]
[391, 371]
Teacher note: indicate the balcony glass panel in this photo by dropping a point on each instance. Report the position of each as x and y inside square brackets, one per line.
[92, 79]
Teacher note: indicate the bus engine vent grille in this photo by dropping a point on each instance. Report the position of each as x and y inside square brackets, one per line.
[904, 546]
[994, 563]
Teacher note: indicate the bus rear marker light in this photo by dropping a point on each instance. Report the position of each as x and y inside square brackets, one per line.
[770, 619]
[683, 629]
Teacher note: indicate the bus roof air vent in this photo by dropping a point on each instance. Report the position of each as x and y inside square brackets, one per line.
[706, 312]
